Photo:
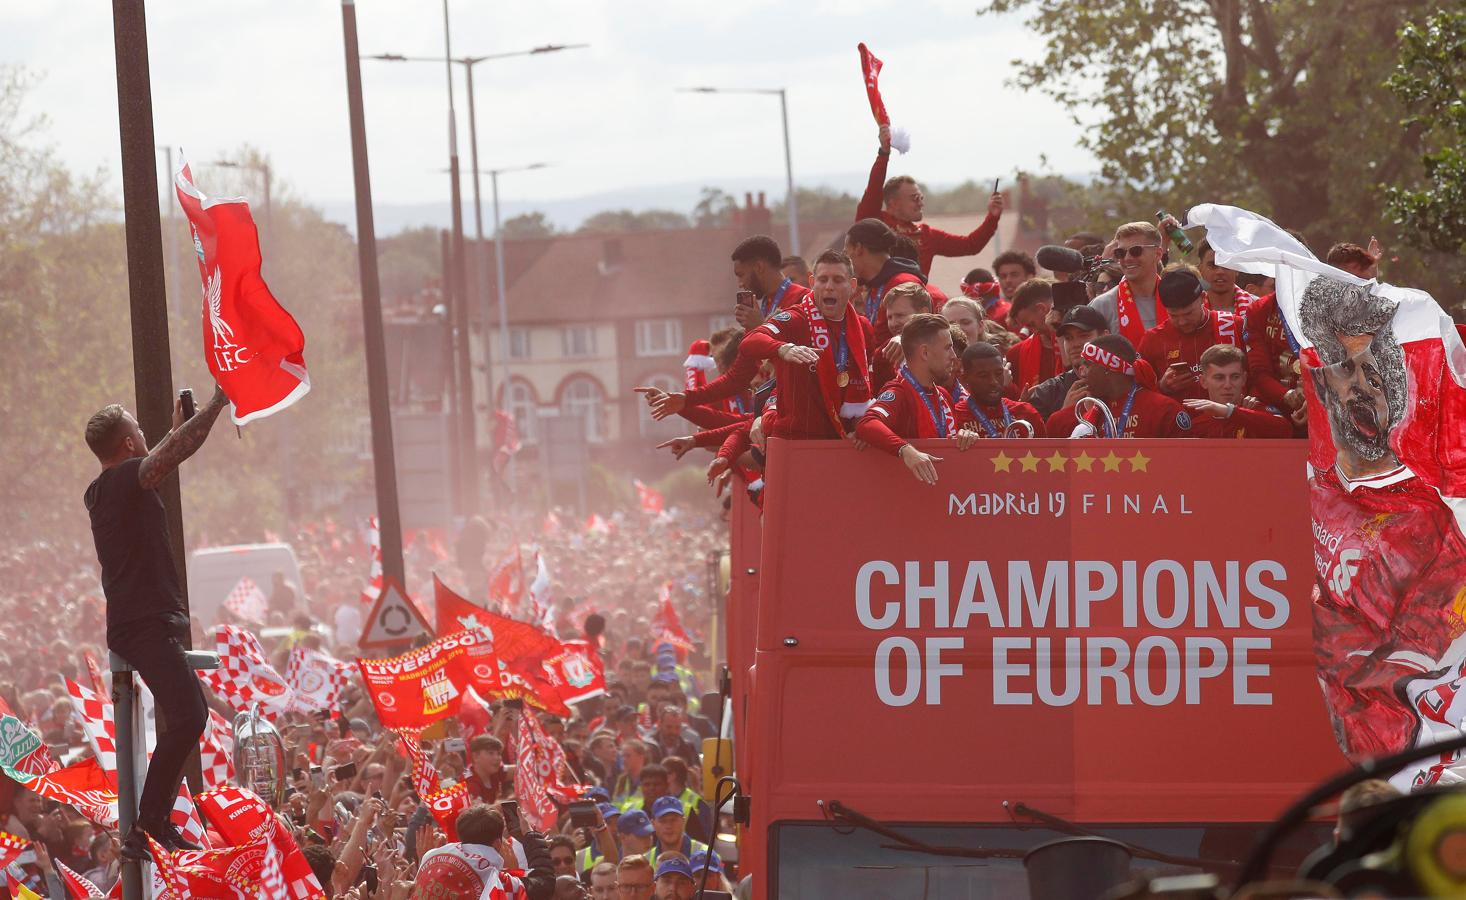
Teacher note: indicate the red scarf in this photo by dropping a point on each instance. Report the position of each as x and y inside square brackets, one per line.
[1030, 360]
[981, 291]
[1128, 313]
[1140, 370]
[857, 367]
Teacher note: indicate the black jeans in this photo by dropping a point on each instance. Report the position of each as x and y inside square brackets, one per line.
[155, 647]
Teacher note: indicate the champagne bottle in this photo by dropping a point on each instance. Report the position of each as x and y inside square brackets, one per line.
[1178, 237]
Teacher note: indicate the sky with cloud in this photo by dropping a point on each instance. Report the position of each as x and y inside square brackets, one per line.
[270, 73]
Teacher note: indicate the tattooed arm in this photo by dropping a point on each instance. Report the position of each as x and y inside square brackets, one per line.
[179, 444]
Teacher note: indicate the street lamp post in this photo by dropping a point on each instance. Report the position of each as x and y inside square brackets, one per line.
[791, 200]
[468, 62]
[499, 284]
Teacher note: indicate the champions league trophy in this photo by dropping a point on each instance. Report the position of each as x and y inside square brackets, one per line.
[259, 756]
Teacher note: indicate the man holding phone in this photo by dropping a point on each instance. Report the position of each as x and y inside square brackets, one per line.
[147, 624]
[1174, 347]
[764, 289]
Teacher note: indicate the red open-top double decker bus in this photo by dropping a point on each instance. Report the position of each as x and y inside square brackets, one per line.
[1059, 637]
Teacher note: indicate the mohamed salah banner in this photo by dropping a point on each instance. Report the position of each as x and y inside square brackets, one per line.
[1384, 371]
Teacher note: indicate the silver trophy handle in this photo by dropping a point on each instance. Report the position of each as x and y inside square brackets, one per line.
[1021, 425]
[1104, 411]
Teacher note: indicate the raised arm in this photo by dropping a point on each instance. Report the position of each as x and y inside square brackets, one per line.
[874, 197]
[945, 243]
[180, 443]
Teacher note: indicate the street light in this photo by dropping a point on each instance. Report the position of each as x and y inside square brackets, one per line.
[791, 199]
[499, 269]
[468, 62]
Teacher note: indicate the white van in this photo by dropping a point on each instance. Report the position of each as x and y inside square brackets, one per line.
[214, 571]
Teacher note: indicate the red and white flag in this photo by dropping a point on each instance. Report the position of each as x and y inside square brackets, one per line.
[254, 348]
[539, 777]
[506, 438]
[649, 497]
[541, 612]
[594, 524]
[185, 817]
[870, 71]
[11, 846]
[316, 679]
[506, 584]
[77, 885]
[373, 590]
[245, 677]
[667, 624]
[83, 785]
[216, 752]
[97, 724]
[247, 601]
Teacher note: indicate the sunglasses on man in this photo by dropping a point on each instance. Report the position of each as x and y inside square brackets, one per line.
[1135, 251]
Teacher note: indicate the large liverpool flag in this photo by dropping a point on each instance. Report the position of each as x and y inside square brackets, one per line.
[254, 348]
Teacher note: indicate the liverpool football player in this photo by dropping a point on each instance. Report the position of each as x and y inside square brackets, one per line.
[1117, 377]
[147, 624]
[1174, 347]
[1391, 559]
[898, 203]
[757, 264]
[1226, 412]
[985, 410]
[912, 405]
[820, 356]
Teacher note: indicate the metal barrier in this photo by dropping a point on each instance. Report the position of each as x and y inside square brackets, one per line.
[132, 754]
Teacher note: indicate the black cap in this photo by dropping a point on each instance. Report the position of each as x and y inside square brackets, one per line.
[1085, 318]
[1179, 288]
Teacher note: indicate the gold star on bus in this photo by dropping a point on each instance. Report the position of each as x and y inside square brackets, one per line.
[1002, 462]
[1057, 461]
[1110, 461]
[1084, 463]
[1029, 462]
[1138, 462]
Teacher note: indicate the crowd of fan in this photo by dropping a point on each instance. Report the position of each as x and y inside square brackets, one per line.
[1143, 340]
[350, 802]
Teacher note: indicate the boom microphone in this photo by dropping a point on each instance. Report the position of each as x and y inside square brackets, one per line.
[1060, 259]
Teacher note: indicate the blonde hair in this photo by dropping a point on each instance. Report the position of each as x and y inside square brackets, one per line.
[1138, 229]
[964, 303]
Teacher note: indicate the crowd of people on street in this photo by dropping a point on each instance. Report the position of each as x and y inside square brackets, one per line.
[351, 800]
[1136, 334]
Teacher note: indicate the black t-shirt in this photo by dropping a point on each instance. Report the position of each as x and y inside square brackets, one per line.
[133, 546]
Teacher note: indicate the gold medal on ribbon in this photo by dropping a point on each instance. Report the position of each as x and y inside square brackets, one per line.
[1297, 367]
[842, 379]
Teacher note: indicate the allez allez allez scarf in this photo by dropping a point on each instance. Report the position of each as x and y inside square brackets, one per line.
[1129, 314]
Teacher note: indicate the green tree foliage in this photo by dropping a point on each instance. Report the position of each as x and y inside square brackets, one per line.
[408, 261]
[1430, 80]
[614, 220]
[821, 204]
[66, 340]
[528, 225]
[714, 208]
[1271, 104]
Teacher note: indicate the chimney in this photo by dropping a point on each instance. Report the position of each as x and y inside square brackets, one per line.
[612, 256]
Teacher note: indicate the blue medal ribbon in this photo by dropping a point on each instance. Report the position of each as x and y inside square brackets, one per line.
[1125, 413]
[987, 424]
[775, 299]
[938, 420]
